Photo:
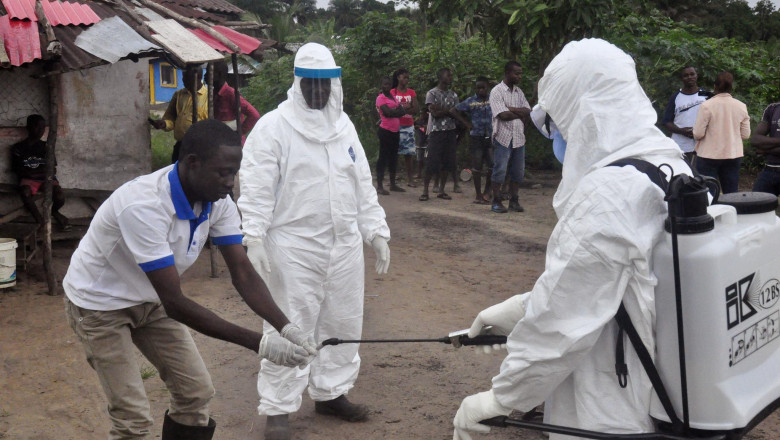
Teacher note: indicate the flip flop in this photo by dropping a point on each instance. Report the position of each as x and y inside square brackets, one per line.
[444, 196]
[423, 197]
[480, 202]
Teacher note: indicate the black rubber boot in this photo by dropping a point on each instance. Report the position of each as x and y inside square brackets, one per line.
[277, 427]
[176, 431]
[343, 409]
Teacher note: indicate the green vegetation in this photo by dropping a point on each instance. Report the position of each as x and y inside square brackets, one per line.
[147, 371]
[162, 147]
[476, 37]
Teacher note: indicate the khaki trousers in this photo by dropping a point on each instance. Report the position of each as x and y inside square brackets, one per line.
[108, 338]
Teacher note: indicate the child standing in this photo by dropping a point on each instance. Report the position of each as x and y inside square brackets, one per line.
[480, 133]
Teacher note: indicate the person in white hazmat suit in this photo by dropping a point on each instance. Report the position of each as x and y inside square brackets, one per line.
[562, 334]
[308, 204]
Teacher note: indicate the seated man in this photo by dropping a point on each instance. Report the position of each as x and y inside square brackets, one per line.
[28, 161]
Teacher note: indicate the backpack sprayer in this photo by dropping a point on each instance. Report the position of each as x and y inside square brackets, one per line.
[721, 358]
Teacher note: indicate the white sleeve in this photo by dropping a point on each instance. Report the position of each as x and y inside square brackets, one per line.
[145, 232]
[371, 216]
[589, 265]
[259, 178]
[225, 223]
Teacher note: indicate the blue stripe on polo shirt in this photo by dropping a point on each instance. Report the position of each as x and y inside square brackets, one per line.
[157, 264]
[182, 205]
[227, 240]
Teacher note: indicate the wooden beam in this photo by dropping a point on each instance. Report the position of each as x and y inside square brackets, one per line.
[53, 46]
[54, 99]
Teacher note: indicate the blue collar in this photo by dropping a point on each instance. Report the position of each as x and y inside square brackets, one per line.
[180, 203]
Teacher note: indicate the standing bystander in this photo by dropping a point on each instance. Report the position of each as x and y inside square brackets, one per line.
[723, 122]
[390, 113]
[408, 98]
[178, 115]
[766, 140]
[225, 102]
[480, 134]
[510, 110]
[681, 111]
[442, 133]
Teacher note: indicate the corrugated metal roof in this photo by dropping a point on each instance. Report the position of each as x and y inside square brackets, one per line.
[181, 43]
[245, 43]
[125, 40]
[20, 40]
[221, 6]
[64, 13]
[73, 57]
[20, 9]
[58, 13]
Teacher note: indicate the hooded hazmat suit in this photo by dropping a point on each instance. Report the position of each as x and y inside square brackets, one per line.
[307, 196]
[562, 348]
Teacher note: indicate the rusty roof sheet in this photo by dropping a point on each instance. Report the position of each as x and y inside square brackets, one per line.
[125, 40]
[58, 13]
[220, 6]
[20, 40]
[191, 12]
[245, 43]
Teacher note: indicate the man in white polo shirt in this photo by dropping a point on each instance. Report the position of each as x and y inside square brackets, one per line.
[123, 287]
[682, 109]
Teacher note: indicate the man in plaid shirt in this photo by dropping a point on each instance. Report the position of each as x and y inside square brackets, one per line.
[510, 109]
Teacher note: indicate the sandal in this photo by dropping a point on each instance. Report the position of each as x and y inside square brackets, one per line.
[423, 197]
[382, 191]
[480, 202]
[444, 195]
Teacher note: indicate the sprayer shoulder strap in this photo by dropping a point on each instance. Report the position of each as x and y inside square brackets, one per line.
[658, 177]
[624, 321]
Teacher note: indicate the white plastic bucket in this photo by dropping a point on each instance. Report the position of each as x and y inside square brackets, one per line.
[7, 262]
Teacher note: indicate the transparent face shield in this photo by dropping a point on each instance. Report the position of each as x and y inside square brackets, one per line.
[320, 88]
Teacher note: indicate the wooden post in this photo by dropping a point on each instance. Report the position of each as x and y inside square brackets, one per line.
[54, 99]
[234, 59]
[210, 85]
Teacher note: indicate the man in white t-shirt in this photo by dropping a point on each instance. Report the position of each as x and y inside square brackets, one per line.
[681, 111]
[123, 287]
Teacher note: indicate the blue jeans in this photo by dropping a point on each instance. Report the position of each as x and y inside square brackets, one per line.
[508, 159]
[768, 181]
[725, 170]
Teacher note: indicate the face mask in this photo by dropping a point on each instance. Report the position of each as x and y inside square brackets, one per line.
[559, 146]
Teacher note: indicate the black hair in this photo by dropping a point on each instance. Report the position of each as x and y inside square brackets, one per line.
[482, 79]
[441, 71]
[724, 82]
[221, 67]
[32, 119]
[203, 138]
[382, 79]
[511, 65]
[396, 74]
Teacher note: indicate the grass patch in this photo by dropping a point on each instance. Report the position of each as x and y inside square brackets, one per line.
[147, 372]
[162, 147]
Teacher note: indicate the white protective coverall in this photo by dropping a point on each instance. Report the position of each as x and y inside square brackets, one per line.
[600, 253]
[306, 192]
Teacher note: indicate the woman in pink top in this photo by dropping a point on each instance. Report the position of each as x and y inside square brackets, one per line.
[390, 112]
[408, 98]
[721, 125]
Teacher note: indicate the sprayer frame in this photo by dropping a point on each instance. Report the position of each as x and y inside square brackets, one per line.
[664, 430]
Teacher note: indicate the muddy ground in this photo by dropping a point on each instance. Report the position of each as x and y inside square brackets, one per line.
[449, 260]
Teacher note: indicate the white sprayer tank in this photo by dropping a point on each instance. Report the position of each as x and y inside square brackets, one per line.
[730, 279]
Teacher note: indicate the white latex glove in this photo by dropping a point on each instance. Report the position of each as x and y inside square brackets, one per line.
[382, 251]
[502, 317]
[474, 409]
[294, 334]
[255, 250]
[282, 352]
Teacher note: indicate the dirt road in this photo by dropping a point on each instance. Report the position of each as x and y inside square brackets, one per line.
[450, 259]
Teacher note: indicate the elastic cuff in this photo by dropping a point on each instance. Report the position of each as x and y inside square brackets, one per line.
[227, 240]
[157, 264]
